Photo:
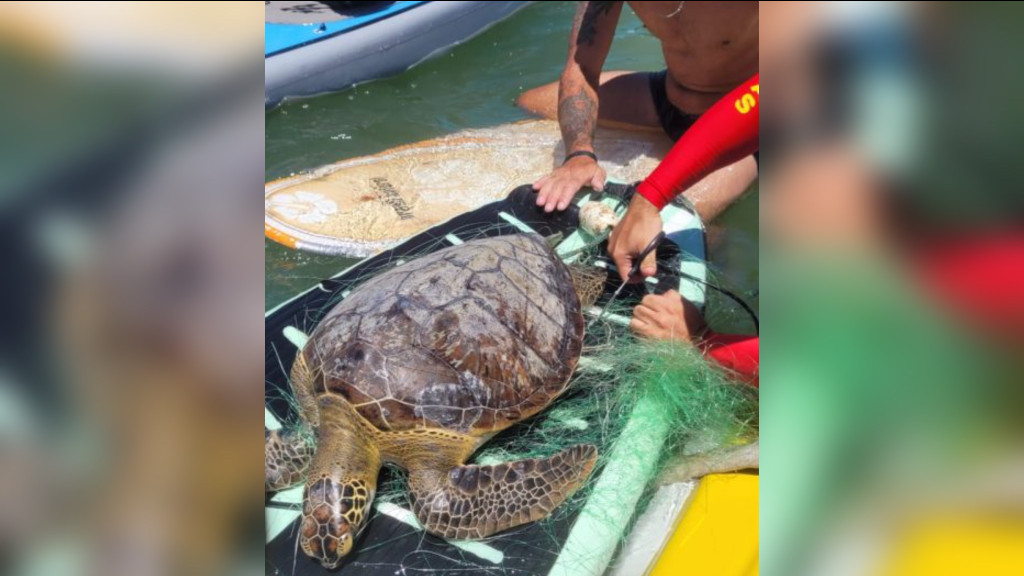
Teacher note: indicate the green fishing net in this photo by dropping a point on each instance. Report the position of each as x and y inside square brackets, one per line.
[623, 387]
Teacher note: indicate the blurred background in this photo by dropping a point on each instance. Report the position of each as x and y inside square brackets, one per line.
[893, 288]
[130, 335]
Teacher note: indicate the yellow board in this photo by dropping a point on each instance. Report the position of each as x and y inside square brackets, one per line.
[718, 535]
[364, 205]
[957, 542]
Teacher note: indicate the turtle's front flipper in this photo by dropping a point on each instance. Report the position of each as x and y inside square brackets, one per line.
[469, 502]
[287, 456]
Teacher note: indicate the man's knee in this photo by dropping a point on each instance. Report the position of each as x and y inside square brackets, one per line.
[541, 101]
[625, 100]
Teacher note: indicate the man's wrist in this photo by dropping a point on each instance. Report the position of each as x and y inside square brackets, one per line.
[582, 153]
[656, 197]
[642, 204]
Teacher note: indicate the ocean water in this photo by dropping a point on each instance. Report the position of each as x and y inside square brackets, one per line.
[472, 85]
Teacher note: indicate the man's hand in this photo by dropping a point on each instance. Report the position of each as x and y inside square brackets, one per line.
[668, 317]
[638, 227]
[593, 29]
[556, 190]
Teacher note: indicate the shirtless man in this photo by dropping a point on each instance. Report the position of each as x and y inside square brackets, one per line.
[709, 48]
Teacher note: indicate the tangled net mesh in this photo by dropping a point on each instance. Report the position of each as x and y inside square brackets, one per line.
[703, 409]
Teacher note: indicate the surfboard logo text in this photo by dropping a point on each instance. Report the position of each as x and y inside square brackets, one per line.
[387, 194]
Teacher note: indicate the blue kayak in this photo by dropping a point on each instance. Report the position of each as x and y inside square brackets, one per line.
[316, 47]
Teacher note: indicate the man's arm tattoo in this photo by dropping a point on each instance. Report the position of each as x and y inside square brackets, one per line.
[577, 115]
[588, 21]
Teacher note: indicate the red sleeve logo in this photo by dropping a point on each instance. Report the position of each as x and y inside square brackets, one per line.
[747, 102]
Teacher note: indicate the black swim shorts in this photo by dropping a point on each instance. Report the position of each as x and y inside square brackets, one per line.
[673, 121]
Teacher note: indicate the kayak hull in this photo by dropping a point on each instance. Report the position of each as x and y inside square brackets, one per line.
[379, 49]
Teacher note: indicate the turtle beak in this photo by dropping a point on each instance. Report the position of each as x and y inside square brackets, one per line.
[329, 564]
[329, 545]
[332, 512]
[335, 551]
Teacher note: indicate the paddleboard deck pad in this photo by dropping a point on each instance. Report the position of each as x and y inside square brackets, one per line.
[361, 206]
[391, 544]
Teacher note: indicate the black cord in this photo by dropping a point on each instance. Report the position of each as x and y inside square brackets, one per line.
[730, 295]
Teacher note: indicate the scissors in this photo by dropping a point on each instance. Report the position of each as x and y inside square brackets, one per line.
[634, 271]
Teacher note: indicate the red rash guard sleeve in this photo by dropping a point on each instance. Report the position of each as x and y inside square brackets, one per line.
[740, 354]
[727, 132]
[980, 279]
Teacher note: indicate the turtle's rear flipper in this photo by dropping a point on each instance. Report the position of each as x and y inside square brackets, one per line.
[287, 456]
[471, 502]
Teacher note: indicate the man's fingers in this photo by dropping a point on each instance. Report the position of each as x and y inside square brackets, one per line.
[648, 315]
[564, 198]
[552, 198]
[653, 301]
[649, 266]
[542, 192]
[669, 301]
[546, 193]
[565, 195]
[556, 190]
[638, 326]
[623, 262]
[643, 329]
[560, 198]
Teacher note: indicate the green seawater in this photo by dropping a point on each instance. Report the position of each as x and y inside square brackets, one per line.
[472, 85]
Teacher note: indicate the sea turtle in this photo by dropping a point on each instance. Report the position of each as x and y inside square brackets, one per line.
[418, 367]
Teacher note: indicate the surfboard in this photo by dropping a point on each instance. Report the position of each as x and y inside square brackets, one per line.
[361, 206]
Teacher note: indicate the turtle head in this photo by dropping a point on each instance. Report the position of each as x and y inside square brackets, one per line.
[333, 512]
